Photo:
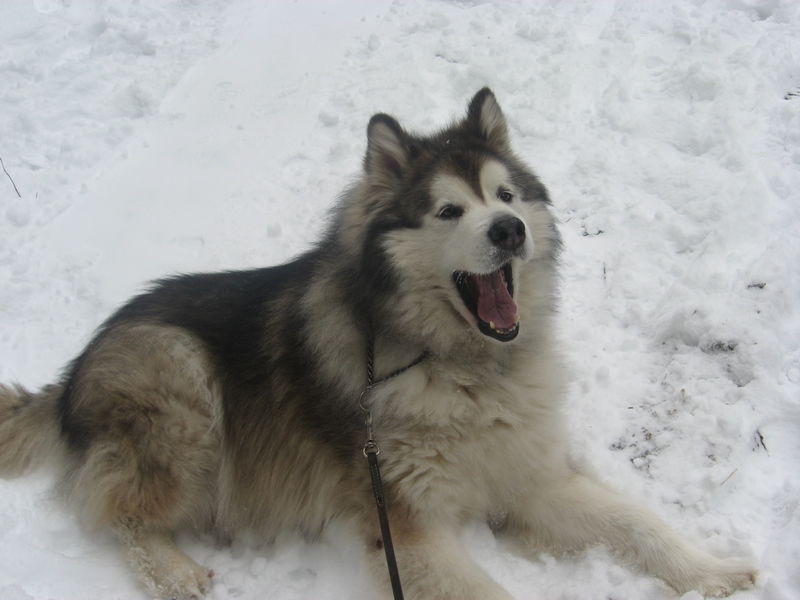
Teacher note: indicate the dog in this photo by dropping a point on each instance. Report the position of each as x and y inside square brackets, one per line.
[233, 402]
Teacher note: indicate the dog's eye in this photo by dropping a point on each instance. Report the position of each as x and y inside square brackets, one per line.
[504, 195]
[450, 211]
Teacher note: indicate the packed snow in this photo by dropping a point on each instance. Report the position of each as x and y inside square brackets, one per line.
[157, 137]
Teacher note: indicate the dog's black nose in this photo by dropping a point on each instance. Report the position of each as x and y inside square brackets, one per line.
[507, 233]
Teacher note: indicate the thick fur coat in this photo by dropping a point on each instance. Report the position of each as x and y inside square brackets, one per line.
[230, 401]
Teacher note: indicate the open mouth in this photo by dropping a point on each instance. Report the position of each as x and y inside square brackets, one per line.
[490, 298]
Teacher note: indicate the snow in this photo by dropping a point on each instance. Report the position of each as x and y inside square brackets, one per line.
[155, 137]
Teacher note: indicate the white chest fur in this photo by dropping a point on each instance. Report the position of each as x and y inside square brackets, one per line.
[457, 444]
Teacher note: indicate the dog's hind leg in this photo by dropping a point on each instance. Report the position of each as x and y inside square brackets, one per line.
[148, 409]
[165, 571]
[579, 512]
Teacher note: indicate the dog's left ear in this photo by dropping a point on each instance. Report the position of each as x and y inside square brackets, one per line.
[486, 119]
[387, 150]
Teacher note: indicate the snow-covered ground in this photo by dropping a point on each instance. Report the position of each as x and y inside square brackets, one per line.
[153, 137]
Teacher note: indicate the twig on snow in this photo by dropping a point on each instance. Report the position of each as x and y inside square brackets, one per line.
[10, 178]
[728, 477]
[760, 441]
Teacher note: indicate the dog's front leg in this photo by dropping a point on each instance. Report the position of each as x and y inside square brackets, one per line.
[578, 512]
[434, 565]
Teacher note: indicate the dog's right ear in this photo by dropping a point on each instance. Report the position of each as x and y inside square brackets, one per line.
[387, 150]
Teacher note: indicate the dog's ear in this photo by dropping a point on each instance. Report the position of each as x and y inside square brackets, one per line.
[387, 150]
[485, 118]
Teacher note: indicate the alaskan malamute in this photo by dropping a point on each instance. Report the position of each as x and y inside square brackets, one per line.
[231, 401]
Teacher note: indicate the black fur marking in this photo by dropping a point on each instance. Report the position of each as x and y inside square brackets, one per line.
[533, 190]
[375, 280]
[74, 427]
[467, 165]
[230, 312]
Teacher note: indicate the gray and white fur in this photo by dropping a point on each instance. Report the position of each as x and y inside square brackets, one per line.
[229, 401]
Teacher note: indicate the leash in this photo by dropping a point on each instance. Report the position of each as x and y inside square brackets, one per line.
[371, 451]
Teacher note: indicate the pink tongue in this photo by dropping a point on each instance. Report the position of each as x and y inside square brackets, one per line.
[494, 302]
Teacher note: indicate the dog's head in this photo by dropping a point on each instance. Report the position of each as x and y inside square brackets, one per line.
[451, 223]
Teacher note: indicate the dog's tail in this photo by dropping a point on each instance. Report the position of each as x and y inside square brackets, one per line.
[29, 429]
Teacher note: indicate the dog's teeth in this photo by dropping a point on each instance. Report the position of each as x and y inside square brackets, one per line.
[491, 324]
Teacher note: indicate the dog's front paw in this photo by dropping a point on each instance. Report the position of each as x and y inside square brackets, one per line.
[735, 575]
[717, 578]
[186, 581]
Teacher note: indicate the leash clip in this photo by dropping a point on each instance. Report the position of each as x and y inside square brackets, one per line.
[371, 447]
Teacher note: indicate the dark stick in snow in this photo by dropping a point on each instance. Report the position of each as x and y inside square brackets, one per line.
[10, 178]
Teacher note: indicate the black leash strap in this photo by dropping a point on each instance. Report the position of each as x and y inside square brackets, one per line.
[383, 518]
[371, 451]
